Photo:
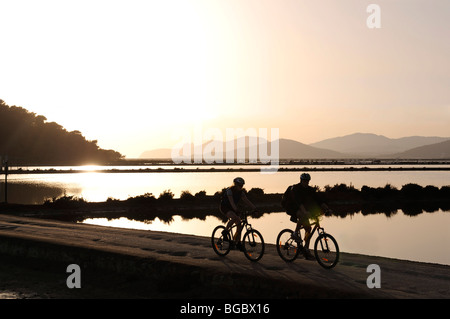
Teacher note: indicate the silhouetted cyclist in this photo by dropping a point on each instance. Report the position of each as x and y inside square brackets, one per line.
[302, 203]
[228, 206]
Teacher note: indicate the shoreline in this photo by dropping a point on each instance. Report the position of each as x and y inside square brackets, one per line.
[413, 199]
[344, 200]
[222, 170]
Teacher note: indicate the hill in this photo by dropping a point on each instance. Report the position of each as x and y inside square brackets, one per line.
[434, 151]
[27, 138]
[350, 146]
[364, 144]
[288, 149]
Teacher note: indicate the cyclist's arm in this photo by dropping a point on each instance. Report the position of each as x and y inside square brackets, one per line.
[248, 202]
[303, 210]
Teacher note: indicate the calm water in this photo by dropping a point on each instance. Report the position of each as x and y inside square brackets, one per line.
[424, 238]
[94, 186]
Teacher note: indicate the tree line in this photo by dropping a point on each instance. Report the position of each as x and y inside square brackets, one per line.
[27, 139]
[345, 200]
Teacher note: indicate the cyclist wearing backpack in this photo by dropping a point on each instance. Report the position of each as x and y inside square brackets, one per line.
[302, 202]
[228, 205]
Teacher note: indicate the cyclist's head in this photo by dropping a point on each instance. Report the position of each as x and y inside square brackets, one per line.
[305, 177]
[239, 181]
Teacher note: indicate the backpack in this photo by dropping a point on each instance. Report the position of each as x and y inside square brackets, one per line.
[286, 199]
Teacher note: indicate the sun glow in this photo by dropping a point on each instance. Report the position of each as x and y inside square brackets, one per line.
[91, 168]
[126, 73]
[148, 61]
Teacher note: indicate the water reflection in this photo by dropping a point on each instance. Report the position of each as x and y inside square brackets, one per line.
[168, 217]
[389, 208]
[395, 235]
[33, 193]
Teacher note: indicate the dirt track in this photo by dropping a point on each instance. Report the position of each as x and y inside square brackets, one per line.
[121, 263]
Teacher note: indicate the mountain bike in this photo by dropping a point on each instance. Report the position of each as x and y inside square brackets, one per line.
[326, 249]
[252, 241]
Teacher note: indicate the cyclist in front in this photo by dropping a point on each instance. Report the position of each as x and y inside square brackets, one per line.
[228, 206]
[305, 203]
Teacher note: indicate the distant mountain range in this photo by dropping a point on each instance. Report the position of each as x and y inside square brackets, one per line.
[358, 145]
[433, 151]
[363, 144]
[288, 149]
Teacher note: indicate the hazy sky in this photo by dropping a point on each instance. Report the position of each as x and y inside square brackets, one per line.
[129, 73]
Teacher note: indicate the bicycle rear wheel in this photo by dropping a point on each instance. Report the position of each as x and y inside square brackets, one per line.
[253, 245]
[326, 251]
[287, 247]
[220, 240]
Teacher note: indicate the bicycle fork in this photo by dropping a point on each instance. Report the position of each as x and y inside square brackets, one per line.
[323, 241]
[251, 240]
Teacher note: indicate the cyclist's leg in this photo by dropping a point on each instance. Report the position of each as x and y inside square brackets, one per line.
[229, 224]
[234, 219]
[224, 210]
[307, 227]
[304, 220]
[300, 220]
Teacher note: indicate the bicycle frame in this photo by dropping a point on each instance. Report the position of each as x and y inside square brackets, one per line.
[326, 249]
[252, 243]
[320, 231]
[245, 226]
[316, 224]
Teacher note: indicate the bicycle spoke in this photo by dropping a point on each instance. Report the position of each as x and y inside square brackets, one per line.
[327, 253]
[287, 248]
[220, 241]
[253, 245]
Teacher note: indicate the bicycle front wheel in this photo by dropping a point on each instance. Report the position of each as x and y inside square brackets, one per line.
[287, 247]
[326, 251]
[253, 245]
[220, 240]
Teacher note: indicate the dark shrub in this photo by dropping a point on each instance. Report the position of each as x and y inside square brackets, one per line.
[147, 198]
[186, 196]
[412, 191]
[256, 193]
[200, 195]
[444, 192]
[166, 195]
[431, 192]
